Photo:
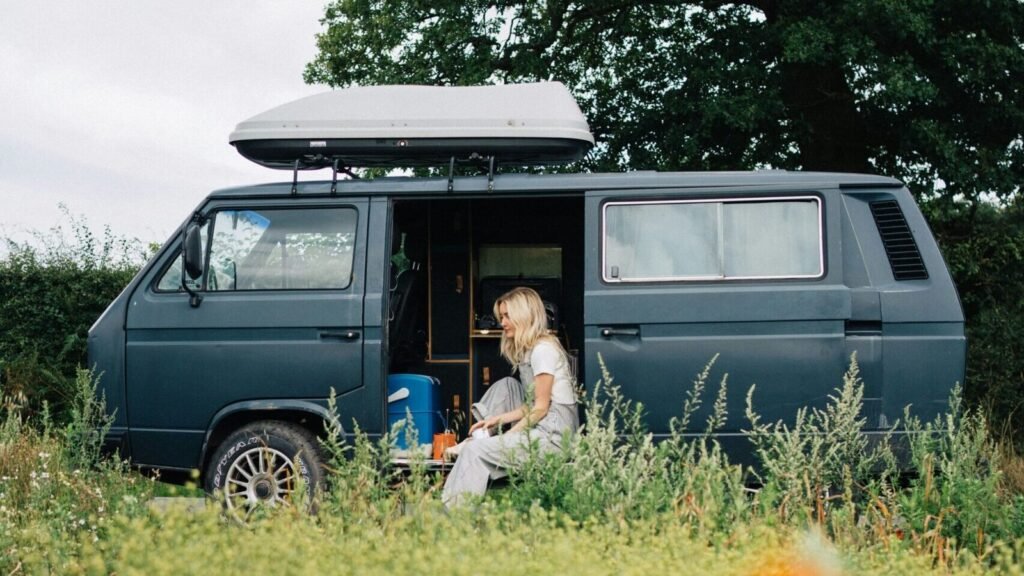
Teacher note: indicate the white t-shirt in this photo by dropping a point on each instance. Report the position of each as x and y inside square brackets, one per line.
[545, 358]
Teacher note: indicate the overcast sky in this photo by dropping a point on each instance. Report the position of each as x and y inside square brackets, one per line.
[121, 109]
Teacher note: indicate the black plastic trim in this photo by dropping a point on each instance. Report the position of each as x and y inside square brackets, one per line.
[900, 246]
[306, 154]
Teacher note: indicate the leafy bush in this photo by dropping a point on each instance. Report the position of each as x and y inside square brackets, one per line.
[51, 291]
[984, 249]
[615, 471]
[956, 499]
[55, 491]
[365, 485]
[596, 474]
[823, 452]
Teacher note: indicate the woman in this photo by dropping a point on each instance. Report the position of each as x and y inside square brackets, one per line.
[549, 419]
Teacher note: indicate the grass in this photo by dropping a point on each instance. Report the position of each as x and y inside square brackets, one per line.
[489, 540]
[611, 502]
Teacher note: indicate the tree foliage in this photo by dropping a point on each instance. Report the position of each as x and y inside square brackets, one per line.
[925, 91]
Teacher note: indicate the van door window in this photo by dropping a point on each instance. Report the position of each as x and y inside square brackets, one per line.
[294, 249]
[712, 240]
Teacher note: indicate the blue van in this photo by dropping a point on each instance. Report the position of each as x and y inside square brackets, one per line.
[220, 354]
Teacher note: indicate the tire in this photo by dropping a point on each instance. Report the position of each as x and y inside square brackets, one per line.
[259, 465]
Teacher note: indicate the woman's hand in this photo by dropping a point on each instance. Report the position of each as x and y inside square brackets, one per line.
[487, 423]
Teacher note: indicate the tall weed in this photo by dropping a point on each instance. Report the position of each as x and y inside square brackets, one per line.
[605, 471]
[88, 422]
[707, 490]
[956, 499]
[365, 485]
[822, 461]
[55, 492]
[615, 471]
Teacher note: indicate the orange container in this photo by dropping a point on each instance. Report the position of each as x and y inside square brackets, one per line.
[442, 441]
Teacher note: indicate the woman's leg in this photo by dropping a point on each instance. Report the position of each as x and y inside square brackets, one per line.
[490, 458]
[503, 396]
[482, 460]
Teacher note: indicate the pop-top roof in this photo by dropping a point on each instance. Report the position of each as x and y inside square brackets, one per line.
[519, 124]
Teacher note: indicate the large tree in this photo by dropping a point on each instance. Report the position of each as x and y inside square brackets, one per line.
[927, 91]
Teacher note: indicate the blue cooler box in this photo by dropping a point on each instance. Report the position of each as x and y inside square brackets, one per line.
[421, 395]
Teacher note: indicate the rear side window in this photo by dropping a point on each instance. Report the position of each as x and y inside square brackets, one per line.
[264, 249]
[727, 239]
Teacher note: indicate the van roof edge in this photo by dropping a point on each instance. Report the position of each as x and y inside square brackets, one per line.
[563, 182]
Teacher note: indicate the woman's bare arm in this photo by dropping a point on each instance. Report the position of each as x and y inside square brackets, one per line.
[542, 383]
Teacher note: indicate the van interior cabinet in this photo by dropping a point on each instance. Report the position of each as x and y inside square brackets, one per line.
[449, 281]
[488, 365]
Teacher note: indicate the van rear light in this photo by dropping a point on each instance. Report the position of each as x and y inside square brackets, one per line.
[900, 247]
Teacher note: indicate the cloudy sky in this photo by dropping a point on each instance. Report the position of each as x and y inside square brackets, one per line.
[121, 109]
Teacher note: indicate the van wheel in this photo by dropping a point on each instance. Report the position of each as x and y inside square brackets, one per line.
[264, 464]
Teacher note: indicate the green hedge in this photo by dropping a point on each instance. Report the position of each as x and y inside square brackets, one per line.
[984, 249]
[51, 291]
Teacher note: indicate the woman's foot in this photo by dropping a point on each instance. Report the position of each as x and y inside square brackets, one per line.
[452, 452]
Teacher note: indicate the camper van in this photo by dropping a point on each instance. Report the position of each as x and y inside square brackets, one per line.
[229, 341]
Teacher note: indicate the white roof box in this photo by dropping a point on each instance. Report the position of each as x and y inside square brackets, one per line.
[516, 124]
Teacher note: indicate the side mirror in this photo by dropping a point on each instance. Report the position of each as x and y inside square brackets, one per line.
[193, 252]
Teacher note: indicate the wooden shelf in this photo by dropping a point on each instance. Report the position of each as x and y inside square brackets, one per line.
[496, 333]
[446, 361]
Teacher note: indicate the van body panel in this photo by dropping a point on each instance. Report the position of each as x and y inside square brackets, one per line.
[922, 362]
[369, 405]
[787, 337]
[106, 359]
[313, 409]
[184, 364]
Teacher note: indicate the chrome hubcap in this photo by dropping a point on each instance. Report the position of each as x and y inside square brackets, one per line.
[259, 476]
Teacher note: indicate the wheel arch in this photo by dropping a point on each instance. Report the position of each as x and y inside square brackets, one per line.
[309, 415]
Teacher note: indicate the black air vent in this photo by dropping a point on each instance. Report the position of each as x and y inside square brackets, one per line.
[899, 243]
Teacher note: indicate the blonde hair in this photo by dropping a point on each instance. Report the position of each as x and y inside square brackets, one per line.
[526, 313]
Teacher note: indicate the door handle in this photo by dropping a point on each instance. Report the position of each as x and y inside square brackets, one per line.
[609, 332]
[863, 328]
[350, 335]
